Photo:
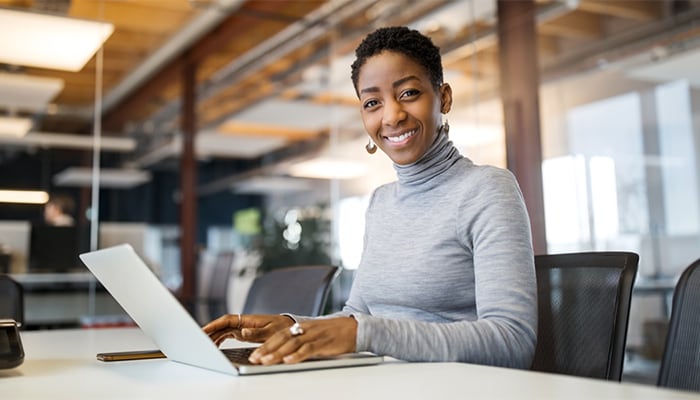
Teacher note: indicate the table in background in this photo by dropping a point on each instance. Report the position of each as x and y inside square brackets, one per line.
[65, 300]
[61, 364]
[657, 286]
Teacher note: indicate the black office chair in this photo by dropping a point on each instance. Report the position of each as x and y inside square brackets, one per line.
[214, 296]
[11, 299]
[296, 290]
[680, 364]
[583, 302]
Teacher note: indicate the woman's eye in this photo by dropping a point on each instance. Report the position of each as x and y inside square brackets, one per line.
[409, 93]
[370, 103]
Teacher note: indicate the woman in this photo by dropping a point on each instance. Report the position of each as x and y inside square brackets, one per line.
[447, 268]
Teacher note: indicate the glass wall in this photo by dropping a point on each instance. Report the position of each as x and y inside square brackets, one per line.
[621, 173]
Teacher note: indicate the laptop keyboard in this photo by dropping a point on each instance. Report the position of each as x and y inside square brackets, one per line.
[238, 355]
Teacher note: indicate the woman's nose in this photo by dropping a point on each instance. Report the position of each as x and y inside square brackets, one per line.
[393, 113]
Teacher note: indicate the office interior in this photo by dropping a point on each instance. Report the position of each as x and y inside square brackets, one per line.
[204, 126]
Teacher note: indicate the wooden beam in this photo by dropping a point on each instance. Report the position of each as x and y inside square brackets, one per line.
[247, 129]
[574, 25]
[138, 102]
[134, 41]
[636, 10]
[548, 46]
[520, 96]
[155, 17]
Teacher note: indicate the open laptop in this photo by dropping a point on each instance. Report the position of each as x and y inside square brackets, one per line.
[161, 316]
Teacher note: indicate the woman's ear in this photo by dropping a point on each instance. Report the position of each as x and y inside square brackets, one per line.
[445, 98]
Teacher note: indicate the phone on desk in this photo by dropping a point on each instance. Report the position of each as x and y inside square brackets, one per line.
[130, 355]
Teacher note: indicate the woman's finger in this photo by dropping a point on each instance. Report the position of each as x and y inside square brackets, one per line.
[304, 351]
[283, 343]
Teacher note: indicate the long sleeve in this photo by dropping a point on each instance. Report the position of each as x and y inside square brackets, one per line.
[447, 272]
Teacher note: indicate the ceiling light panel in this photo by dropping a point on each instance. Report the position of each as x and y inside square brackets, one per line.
[328, 168]
[108, 178]
[68, 141]
[297, 114]
[13, 126]
[48, 41]
[272, 185]
[23, 196]
[210, 144]
[27, 93]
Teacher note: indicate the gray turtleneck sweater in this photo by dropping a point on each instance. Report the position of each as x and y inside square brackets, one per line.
[447, 270]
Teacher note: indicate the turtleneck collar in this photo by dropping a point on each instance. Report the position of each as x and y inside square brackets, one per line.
[439, 158]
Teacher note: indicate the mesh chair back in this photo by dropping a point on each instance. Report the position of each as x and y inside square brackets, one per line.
[11, 299]
[215, 294]
[295, 290]
[680, 365]
[583, 303]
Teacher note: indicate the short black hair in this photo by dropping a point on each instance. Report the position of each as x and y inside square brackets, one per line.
[400, 39]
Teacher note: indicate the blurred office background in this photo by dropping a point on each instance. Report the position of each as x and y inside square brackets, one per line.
[208, 126]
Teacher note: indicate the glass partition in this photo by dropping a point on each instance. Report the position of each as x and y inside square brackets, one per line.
[621, 173]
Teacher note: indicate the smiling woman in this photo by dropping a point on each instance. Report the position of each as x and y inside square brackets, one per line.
[401, 106]
[446, 272]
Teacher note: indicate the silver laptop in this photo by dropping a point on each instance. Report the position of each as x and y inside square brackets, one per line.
[161, 316]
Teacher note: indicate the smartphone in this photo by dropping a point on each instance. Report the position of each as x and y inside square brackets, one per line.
[130, 355]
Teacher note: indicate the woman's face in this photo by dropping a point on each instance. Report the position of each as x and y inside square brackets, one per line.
[399, 106]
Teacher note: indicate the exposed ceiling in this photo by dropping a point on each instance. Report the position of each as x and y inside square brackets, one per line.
[272, 76]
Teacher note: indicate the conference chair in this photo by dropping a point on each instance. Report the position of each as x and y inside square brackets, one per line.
[680, 363]
[214, 297]
[583, 310]
[11, 299]
[296, 290]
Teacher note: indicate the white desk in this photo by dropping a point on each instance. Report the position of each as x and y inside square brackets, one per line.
[61, 364]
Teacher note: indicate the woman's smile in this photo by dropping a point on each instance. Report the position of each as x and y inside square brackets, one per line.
[401, 138]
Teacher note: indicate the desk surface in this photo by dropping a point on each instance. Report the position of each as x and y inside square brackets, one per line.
[61, 364]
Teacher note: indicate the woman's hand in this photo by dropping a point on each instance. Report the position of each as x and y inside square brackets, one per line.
[321, 337]
[246, 328]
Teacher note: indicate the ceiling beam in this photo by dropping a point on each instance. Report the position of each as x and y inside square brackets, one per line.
[636, 10]
[250, 129]
[238, 25]
[575, 25]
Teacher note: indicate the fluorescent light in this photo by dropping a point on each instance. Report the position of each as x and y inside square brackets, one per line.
[25, 92]
[326, 168]
[24, 196]
[69, 141]
[48, 41]
[271, 185]
[14, 126]
[109, 177]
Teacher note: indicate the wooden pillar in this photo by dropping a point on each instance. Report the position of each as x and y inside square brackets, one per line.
[188, 182]
[517, 42]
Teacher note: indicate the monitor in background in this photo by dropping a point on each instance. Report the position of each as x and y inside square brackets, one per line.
[56, 248]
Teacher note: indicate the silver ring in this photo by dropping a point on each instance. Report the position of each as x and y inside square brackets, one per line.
[296, 330]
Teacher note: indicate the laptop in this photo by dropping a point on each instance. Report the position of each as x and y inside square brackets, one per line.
[178, 336]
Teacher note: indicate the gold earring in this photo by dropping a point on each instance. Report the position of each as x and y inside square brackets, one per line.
[371, 147]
